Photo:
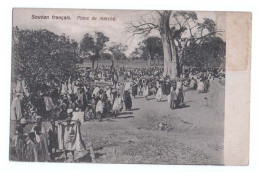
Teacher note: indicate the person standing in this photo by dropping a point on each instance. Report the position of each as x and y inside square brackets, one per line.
[31, 152]
[16, 110]
[16, 113]
[134, 89]
[159, 93]
[128, 101]
[42, 146]
[99, 109]
[146, 91]
[18, 144]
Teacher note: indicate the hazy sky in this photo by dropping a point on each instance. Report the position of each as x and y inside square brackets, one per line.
[76, 28]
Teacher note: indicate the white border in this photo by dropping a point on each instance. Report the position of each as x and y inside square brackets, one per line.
[11, 168]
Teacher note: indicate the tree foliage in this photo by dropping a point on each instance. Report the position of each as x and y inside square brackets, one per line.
[118, 50]
[178, 31]
[208, 54]
[91, 46]
[149, 48]
[37, 53]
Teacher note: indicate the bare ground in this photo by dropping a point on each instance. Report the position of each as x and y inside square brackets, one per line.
[194, 134]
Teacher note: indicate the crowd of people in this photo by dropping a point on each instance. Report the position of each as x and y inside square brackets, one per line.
[53, 104]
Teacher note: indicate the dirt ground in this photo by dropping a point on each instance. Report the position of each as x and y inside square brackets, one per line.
[194, 134]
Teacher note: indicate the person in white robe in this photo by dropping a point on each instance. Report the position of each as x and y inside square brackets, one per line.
[70, 88]
[25, 89]
[127, 86]
[118, 105]
[16, 110]
[201, 87]
[192, 83]
[19, 87]
[108, 92]
[99, 109]
[159, 94]
[64, 88]
[146, 91]
[95, 91]
[75, 87]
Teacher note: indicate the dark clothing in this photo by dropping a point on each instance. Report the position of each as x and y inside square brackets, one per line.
[134, 90]
[128, 101]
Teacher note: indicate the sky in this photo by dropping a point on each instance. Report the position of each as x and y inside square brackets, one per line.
[114, 29]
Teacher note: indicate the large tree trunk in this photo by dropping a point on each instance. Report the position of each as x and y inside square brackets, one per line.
[169, 52]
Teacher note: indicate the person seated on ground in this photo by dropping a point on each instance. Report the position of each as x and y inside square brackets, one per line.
[89, 113]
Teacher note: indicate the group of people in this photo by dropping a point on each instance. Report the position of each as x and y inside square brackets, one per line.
[101, 93]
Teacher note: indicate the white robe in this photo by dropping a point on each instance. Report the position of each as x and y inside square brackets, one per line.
[95, 91]
[49, 105]
[146, 91]
[201, 86]
[159, 94]
[16, 110]
[70, 88]
[127, 86]
[117, 104]
[192, 84]
[19, 87]
[108, 92]
[64, 88]
[79, 115]
[99, 107]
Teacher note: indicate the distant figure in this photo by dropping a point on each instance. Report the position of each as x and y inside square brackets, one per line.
[159, 93]
[128, 101]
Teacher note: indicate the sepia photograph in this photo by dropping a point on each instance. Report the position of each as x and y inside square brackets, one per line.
[118, 86]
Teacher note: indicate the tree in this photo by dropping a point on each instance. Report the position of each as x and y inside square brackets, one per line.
[193, 32]
[91, 46]
[205, 55]
[171, 34]
[36, 53]
[149, 49]
[117, 50]
[162, 24]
